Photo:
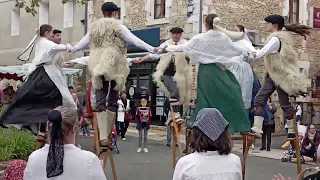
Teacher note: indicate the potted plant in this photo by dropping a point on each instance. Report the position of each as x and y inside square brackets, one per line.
[15, 144]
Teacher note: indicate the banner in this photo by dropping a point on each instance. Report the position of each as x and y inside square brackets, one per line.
[316, 17]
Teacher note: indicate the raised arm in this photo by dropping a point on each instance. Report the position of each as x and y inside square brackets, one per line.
[59, 48]
[272, 46]
[153, 56]
[132, 39]
[82, 44]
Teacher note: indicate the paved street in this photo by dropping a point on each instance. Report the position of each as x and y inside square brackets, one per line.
[157, 164]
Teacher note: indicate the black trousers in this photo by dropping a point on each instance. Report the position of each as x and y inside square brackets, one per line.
[266, 136]
[124, 127]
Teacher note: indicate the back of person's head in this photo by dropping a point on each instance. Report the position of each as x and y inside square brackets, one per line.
[62, 127]
[44, 29]
[210, 132]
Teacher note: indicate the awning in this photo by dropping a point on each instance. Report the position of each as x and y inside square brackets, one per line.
[17, 72]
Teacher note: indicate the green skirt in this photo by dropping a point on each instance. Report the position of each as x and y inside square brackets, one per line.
[218, 88]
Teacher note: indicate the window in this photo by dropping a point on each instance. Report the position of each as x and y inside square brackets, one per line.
[68, 15]
[44, 13]
[159, 9]
[293, 11]
[15, 22]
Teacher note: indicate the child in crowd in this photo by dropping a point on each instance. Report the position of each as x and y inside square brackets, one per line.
[84, 126]
[143, 117]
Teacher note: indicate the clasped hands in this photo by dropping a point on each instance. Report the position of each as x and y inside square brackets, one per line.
[156, 50]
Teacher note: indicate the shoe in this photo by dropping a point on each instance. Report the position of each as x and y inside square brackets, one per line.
[168, 146]
[268, 149]
[262, 149]
[88, 134]
[139, 150]
[123, 139]
[252, 147]
[185, 151]
[145, 150]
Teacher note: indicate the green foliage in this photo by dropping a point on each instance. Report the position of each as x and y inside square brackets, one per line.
[31, 6]
[16, 144]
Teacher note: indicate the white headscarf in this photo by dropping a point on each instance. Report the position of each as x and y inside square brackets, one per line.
[25, 55]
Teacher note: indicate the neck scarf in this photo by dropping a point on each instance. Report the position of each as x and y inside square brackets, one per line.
[25, 55]
[56, 148]
[311, 135]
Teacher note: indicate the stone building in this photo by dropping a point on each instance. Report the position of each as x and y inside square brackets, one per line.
[142, 14]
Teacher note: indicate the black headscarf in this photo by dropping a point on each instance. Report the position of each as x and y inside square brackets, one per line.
[56, 149]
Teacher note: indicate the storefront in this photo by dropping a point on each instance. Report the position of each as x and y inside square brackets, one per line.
[140, 82]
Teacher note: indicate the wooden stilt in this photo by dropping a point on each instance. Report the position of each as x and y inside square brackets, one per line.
[247, 142]
[103, 155]
[175, 129]
[296, 145]
[173, 146]
[189, 141]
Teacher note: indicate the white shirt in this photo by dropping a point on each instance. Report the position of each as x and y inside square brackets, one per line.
[77, 165]
[85, 60]
[208, 166]
[126, 35]
[271, 47]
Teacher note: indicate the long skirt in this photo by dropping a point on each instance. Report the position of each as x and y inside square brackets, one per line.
[33, 100]
[218, 88]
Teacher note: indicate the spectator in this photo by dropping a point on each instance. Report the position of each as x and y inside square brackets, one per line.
[81, 96]
[58, 158]
[297, 107]
[212, 158]
[189, 116]
[268, 126]
[71, 89]
[310, 142]
[124, 116]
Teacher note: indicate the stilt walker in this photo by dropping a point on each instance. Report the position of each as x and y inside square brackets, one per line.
[282, 75]
[44, 89]
[173, 77]
[221, 65]
[109, 69]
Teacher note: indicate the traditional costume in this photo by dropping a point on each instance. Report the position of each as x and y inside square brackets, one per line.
[173, 75]
[221, 70]
[282, 74]
[108, 66]
[44, 89]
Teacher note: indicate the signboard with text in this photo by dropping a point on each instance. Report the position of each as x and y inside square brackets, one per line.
[315, 20]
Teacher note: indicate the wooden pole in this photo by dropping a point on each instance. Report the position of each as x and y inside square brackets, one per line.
[296, 144]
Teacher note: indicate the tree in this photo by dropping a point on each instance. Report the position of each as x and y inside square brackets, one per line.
[31, 6]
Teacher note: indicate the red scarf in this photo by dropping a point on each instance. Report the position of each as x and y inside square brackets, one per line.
[139, 114]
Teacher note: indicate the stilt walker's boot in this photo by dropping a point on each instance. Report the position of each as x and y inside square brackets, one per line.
[257, 126]
[291, 133]
[105, 124]
[176, 109]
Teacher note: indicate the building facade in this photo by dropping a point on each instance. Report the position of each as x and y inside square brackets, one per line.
[187, 14]
[18, 27]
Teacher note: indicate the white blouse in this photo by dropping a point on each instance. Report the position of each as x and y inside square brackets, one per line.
[126, 35]
[271, 47]
[77, 165]
[208, 166]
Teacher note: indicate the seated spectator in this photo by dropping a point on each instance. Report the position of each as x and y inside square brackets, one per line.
[15, 170]
[61, 158]
[310, 142]
[212, 158]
